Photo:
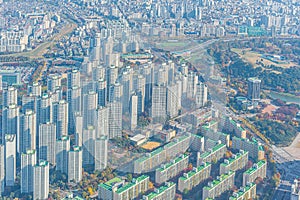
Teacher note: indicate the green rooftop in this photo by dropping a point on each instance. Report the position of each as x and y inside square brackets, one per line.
[217, 147]
[214, 149]
[162, 189]
[253, 169]
[232, 159]
[153, 153]
[242, 191]
[218, 181]
[168, 165]
[108, 185]
[193, 172]
[131, 184]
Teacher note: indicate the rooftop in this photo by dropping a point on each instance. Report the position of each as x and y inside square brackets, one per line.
[175, 161]
[160, 190]
[155, 152]
[214, 149]
[254, 168]
[242, 191]
[132, 183]
[234, 158]
[108, 185]
[216, 182]
[193, 172]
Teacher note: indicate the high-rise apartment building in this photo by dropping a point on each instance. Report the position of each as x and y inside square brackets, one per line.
[27, 131]
[115, 119]
[159, 103]
[28, 161]
[101, 153]
[10, 159]
[41, 180]
[133, 112]
[102, 121]
[73, 78]
[10, 96]
[88, 146]
[254, 89]
[60, 118]
[75, 164]
[47, 143]
[201, 94]
[62, 149]
[2, 168]
[10, 120]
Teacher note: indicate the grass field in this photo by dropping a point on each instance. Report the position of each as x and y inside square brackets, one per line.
[251, 57]
[173, 45]
[151, 145]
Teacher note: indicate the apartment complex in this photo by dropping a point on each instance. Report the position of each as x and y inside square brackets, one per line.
[247, 192]
[167, 191]
[215, 154]
[195, 177]
[236, 162]
[158, 156]
[258, 169]
[171, 169]
[133, 189]
[219, 185]
[254, 149]
[231, 126]
[215, 135]
[117, 189]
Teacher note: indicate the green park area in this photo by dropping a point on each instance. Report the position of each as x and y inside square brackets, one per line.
[252, 57]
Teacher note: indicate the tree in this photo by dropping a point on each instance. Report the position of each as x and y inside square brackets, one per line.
[150, 185]
[190, 167]
[185, 191]
[129, 177]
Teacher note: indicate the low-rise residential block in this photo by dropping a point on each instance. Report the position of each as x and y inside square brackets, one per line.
[258, 170]
[247, 192]
[215, 154]
[154, 159]
[218, 186]
[254, 149]
[195, 177]
[236, 162]
[171, 169]
[167, 191]
[117, 189]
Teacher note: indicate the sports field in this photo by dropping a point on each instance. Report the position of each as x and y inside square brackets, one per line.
[151, 145]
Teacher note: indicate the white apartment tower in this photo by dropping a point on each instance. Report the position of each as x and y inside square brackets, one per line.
[28, 161]
[41, 180]
[27, 131]
[47, 142]
[10, 96]
[73, 78]
[201, 94]
[90, 102]
[2, 168]
[133, 112]
[115, 119]
[88, 145]
[75, 164]
[102, 121]
[159, 103]
[62, 149]
[60, 118]
[10, 159]
[101, 153]
[10, 120]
